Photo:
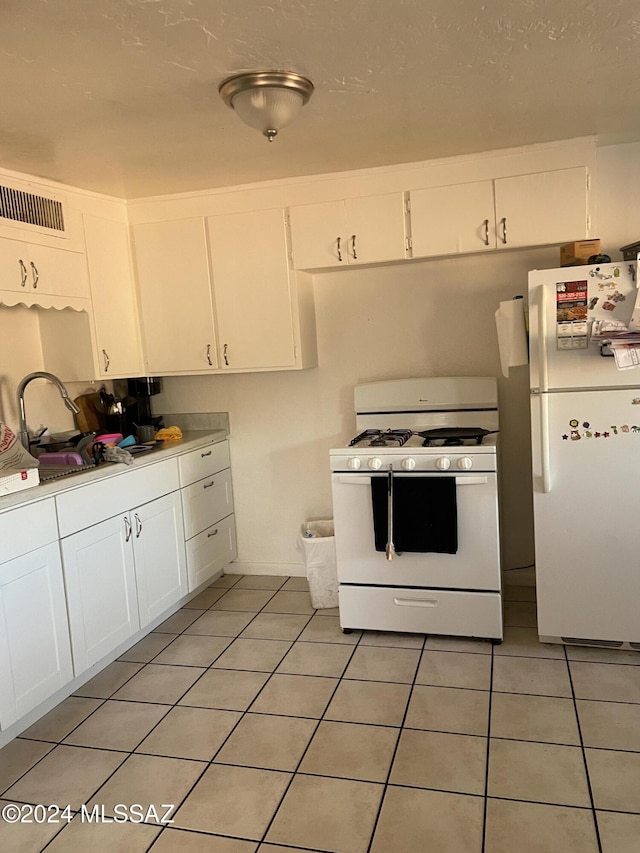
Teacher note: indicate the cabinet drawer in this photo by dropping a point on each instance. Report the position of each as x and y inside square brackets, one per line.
[206, 502]
[210, 551]
[203, 462]
[91, 504]
[26, 528]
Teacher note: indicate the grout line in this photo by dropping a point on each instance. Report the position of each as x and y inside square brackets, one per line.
[486, 769]
[395, 751]
[584, 754]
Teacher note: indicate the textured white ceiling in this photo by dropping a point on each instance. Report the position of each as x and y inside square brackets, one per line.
[121, 96]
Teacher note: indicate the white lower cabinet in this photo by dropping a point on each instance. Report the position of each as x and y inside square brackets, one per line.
[158, 548]
[88, 569]
[121, 574]
[35, 653]
[100, 579]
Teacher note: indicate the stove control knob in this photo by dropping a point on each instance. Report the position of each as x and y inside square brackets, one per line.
[443, 463]
[375, 463]
[465, 463]
[408, 464]
[354, 463]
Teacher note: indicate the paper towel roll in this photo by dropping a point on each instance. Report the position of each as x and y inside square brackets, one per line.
[512, 334]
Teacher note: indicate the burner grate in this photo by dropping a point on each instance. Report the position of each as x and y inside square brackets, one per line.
[382, 438]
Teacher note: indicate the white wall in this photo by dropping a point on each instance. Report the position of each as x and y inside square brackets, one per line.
[429, 318]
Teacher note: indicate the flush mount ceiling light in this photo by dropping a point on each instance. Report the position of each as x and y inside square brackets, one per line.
[266, 100]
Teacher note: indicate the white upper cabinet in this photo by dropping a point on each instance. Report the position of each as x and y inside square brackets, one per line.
[252, 290]
[364, 230]
[175, 296]
[542, 208]
[452, 219]
[538, 209]
[118, 344]
[227, 273]
[34, 271]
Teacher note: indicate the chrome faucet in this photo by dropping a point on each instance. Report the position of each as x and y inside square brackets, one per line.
[23, 432]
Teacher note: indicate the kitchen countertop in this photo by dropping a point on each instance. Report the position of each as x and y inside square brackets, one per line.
[191, 440]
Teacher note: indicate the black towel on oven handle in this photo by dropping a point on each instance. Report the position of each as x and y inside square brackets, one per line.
[425, 514]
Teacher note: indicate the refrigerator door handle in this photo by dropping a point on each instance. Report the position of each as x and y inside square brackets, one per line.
[544, 444]
[543, 367]
[540, 447]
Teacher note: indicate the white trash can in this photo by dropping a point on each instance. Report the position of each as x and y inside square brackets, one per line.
[317, 543]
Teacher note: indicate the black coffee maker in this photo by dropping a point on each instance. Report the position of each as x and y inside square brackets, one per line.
[138, 410]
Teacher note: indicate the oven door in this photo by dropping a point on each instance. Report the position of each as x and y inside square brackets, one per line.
[475, 566]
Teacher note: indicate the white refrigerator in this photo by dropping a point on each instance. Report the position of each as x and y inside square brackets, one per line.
[585, 429]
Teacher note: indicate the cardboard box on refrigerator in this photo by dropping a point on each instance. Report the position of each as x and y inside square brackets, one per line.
[578, 252]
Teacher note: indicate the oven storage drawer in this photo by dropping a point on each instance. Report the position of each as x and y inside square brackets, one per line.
[424, 611]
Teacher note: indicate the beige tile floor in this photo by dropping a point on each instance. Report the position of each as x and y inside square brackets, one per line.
[270, 730]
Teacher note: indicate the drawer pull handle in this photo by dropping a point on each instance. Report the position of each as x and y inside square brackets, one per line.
[416, 602]
[208, 485]
[23, 273]
[138, 525]
[215, 533]
[208, 453]
[127, 529]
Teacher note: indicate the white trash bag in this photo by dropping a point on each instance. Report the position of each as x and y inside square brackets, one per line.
[317, 543]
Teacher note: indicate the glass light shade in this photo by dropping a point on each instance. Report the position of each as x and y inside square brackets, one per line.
[266, 100]
[267, 108]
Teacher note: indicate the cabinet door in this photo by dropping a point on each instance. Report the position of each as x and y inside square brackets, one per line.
[452, 219]
[376, 231]
[543, 208]
[14, 265]
[35, 653]
[101, 589]
[115, 316]
[175, 295]
[158, 546]
[58, 272]
[318, 235]
[252, 291]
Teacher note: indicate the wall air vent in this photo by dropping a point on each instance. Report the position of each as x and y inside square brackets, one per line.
[604, 644]
[35, 212]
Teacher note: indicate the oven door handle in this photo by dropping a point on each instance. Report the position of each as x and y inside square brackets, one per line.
[390, 550]
[358, 480]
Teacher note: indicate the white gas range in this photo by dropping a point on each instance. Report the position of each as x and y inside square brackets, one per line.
[415, 500]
